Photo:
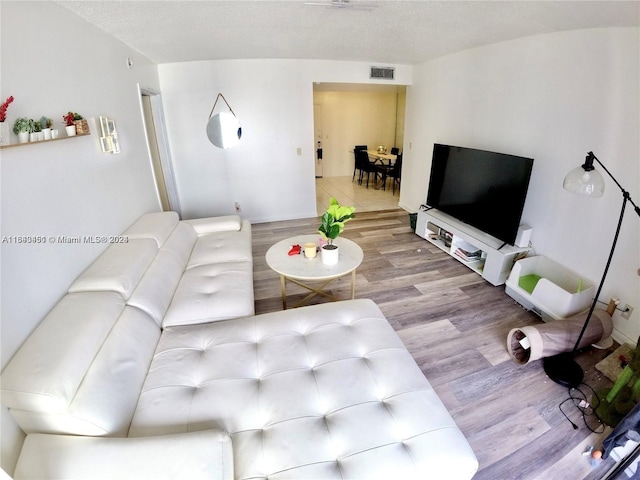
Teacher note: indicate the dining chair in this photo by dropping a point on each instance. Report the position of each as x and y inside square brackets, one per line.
[367, 166]
[383, 170]
[395, 173]
[356, 164]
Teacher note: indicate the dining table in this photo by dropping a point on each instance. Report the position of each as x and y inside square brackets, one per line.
[383, 158]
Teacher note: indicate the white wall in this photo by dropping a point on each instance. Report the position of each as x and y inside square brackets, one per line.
[554, 98]
[273, 99]
[352, 118]
[53, 62]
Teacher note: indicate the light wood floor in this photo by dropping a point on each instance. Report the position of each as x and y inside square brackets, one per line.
[348, 192]
[455, 325]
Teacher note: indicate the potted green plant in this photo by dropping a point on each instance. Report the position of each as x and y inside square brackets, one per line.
[36, 132]
[23, 127]
[331, 226]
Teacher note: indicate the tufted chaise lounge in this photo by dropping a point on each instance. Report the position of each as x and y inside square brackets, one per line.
[327, 391]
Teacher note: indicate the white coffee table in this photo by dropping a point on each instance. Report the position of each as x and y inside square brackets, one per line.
[298, 269]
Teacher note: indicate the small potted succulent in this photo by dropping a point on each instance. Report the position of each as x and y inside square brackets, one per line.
[45, 125]
[36, 132]
[22, 127]
[331, 226]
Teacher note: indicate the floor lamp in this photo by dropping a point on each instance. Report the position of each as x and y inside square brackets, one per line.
[584, 180]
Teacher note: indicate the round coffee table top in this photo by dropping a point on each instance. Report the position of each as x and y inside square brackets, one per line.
[300, 267]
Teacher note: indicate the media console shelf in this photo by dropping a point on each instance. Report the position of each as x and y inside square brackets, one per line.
[479, 251]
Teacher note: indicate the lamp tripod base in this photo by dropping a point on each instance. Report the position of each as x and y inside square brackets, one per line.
[563, 369]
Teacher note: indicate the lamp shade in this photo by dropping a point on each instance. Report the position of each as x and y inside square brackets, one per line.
[583, 182]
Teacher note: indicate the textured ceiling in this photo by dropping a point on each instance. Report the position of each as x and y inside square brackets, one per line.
[395, 31]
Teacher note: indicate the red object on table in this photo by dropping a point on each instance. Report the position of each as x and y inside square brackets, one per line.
[295, 250]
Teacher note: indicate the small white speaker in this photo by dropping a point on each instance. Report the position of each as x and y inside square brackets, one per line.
[524, 236]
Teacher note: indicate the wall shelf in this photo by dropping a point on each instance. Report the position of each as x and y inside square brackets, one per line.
[2, 147]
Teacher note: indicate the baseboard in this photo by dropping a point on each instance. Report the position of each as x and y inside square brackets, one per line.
[406, 207]
[621, 338]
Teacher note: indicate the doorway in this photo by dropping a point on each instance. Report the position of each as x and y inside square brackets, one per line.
[352, 114]
[317, 126]
[157, 143]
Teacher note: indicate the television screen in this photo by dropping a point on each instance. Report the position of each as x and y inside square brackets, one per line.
[483, 189]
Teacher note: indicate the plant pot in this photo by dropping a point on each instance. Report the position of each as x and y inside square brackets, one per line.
[71, 130]
[23, 137]
[46, 132]
[33, 137]
[330, 254]
[5, 134]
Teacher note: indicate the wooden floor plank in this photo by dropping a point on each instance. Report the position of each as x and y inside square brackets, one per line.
[523, 427]
[576, 464]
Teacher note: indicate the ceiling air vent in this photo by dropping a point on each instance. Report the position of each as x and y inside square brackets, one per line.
[385, 73]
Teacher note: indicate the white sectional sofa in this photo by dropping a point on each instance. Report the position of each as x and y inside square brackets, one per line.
[155, 366]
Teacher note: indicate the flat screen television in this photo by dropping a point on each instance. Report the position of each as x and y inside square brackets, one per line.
[483, 189]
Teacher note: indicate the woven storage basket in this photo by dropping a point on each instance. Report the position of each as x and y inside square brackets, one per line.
[82, 126]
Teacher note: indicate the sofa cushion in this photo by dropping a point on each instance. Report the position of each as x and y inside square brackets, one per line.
[327, 391]
[195, 455]
[181, 242]
[157, 226]
[210, 293]
[156, 288]
[119, 268]
[221, 247]
[83, 371]
[203, 226]
[45, 373]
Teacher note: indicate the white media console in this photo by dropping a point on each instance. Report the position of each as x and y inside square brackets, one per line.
[479, 251]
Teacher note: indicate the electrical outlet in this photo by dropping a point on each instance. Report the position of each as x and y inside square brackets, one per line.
[238, 209]
[627, 311]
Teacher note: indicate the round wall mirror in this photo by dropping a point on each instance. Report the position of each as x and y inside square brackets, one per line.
[223, 130]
